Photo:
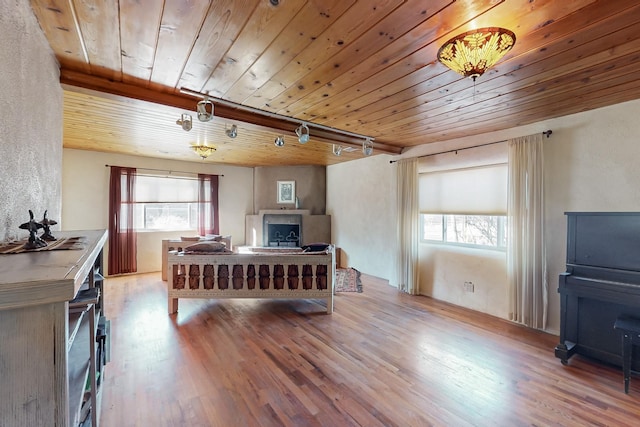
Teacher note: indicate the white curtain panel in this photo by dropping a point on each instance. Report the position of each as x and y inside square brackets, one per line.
[526, 255]
[407, 227]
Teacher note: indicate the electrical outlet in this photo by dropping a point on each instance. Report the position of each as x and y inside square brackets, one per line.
[468, 287]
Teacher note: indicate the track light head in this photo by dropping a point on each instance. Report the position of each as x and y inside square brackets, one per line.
[303, 133]
[205, 110]
[279, 141]
[185, 121]
[232, 132]
[367, 147]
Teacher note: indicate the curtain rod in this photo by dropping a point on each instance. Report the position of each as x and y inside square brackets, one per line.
[163, 170]
[546, 132]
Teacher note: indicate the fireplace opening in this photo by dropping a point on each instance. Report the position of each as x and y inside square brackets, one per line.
[283, 235]
[282, 230]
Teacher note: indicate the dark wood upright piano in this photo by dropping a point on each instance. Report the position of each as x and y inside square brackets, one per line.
[601, 283]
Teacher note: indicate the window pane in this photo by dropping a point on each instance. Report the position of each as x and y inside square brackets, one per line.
[469, 230]
[432, 227]
[193, 216]
[138, 216]
[472, 229]
[167, 216]
[502, 232]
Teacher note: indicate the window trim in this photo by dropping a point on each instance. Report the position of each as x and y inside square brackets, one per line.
[502, 227]
[190, 216]
[140, 206]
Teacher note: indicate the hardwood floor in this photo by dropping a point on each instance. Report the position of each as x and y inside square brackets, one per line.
[381, 359]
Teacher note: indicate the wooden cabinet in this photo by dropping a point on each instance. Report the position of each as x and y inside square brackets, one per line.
[53, 335]
[87, 346]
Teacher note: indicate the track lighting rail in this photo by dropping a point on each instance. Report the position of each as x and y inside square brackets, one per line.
[227, 110]
[257, 111]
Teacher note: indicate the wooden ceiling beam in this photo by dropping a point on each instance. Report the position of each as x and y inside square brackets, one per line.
[72, 80]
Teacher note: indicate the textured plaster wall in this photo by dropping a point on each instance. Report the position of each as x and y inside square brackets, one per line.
[85, 197]
[445, 268]
[310, 183]
[590, 165]
[361, 200]
[30, 119]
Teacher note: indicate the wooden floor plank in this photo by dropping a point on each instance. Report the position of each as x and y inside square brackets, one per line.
[381, 359]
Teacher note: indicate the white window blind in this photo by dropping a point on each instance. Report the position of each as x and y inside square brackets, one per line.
[470, 182]
[479, 191]
[154, 189]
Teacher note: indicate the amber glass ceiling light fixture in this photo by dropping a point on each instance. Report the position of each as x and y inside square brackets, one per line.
[203, 151]
[474, 52]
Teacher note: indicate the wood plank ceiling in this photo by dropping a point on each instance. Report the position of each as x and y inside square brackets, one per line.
[362, 66]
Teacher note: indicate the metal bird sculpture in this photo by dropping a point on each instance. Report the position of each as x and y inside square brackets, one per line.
[34, 241]
[46, 223]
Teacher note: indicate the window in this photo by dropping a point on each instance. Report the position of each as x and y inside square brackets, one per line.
[488, 231]
[463, 197]
[166, 216]
[166, 203]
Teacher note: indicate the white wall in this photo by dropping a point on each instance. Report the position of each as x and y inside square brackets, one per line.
[30, 121]
[590, 165]
[85, 197]
[445, 268]
[362, 203]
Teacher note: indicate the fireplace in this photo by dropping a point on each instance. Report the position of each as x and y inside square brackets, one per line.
[311, 228]
[282, 230]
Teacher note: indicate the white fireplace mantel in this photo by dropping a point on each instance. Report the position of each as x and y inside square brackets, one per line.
[285, 212]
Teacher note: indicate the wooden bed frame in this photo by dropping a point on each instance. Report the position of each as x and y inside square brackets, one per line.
[251, 275]
[177, 244]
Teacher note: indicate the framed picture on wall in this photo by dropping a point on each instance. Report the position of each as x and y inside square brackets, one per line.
[286, 191]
